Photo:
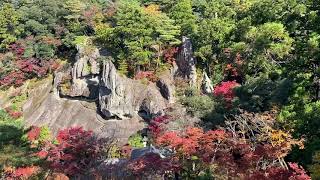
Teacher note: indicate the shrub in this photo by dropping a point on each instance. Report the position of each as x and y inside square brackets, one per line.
[78, 151]
[199, 105]
[155, 126]
[169, 54]
[315, 167]
[225, 89]
[150, 75]
[21, 172]
[197, 150]
[136, 141]
[38, 135]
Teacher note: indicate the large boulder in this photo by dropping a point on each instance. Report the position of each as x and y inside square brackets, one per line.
[186, 62]
[121, 97]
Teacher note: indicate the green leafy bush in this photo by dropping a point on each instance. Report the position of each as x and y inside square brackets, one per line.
[136, 141]
[315, 167]
[198, 105]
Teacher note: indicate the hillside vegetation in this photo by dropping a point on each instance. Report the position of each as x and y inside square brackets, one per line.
[259, 120]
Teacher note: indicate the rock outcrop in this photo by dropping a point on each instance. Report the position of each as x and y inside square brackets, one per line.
[206, 85]
[186, 62]
[86, 62]
[123, 98]
[166, 86]
[45, 108]
[96, 97]
[118, 97]
[84, 73]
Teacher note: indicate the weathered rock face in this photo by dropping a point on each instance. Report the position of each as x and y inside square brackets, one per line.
[166, 86]
[84, 75]
[123, 98]
[85, 87]
[119, 97]
[186, 62]
[95, 96]
[45, 108]
[86, 62]
[206, 85]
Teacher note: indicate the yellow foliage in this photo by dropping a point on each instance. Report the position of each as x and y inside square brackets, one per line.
[278, 137]
[284, 141]
[152, 10]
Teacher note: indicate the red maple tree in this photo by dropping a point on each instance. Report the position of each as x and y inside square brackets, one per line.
[225, 89]
[77, 151]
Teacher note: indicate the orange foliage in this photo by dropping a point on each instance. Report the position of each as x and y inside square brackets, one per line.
[152, 10]
[20, 173]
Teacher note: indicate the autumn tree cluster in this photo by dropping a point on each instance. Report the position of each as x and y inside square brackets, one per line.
[261, 121]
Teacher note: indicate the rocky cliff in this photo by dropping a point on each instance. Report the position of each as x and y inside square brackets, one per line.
[94, 95]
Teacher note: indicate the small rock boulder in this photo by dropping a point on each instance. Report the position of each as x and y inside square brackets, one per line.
[206, 86]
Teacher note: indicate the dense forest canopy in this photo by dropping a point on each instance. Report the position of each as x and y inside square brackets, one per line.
[261, 57]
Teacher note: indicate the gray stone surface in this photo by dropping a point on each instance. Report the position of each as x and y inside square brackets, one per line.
[166, 86]
[206, 84]
[186, 62]
[123, 98]
[85, 62]
[84, 74]
[45, 108]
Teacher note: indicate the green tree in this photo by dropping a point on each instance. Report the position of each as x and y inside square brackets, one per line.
[183, 15]
[136, 31]
[9, 25]
[75, 7]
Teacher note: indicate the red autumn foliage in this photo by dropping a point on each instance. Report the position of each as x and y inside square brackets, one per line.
[231, 71]
[152, 164]
[232, 155]
[169, 54]
[293, 173]
[51, 41]
[193, 142]
[34, 133]
[32, 65]
[150, 75]
[21, 173]
[76, 153]
[89, 15]
[225, 89]
[14, 114]
[42, 154]
[156, 123]
[18, 49]
[25, 68]
[15, 78]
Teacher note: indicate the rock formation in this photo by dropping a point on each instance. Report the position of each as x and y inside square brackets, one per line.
[96, 97]
[186, 62]
[206, 85]
[123, 98]
[84, 81]
[166, 86]
[45, 108]
[86, 62]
